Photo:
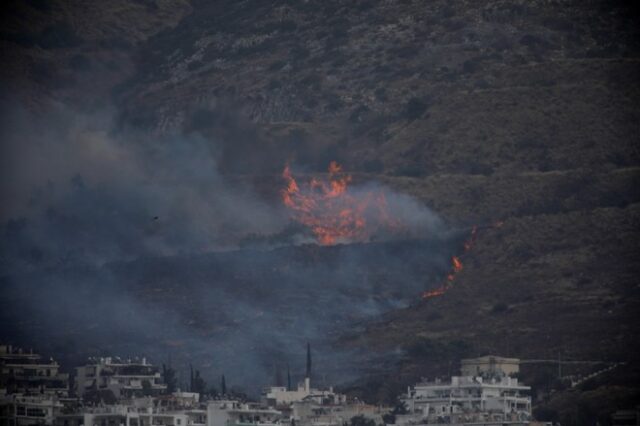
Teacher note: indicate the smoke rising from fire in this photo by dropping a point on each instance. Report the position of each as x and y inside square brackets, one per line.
[115, 242]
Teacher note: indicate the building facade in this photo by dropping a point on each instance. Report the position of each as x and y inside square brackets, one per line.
[28, 373]
[236, 413]
[490, 366]
[468, 398]
[125, 378]
[20, 410]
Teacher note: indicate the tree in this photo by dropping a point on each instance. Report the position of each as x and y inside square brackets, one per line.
[146, 388]
[170, 379]
[361, 421]
[398, 409]
[191, 378]
[308, 360]
[199, 385]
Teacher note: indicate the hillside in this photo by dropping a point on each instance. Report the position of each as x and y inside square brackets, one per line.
[524, 112]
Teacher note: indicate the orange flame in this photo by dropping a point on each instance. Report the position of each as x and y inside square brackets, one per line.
[456, 266]
[433, 293]
[333, 213]
[456, 263]
[471, 241]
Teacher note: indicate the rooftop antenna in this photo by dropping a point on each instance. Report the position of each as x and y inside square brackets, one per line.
[288, 378]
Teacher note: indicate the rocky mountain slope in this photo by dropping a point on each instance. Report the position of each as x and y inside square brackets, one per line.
[519, 111]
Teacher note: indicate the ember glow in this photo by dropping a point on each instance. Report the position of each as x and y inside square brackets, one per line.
[335, 213]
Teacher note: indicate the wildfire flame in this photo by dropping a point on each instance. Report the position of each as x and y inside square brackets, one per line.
[332, 212]
[456, 263]
[471, 241]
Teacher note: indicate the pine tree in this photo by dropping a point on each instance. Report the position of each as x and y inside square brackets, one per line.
[169, 375]
[308, 360]
[191, 377]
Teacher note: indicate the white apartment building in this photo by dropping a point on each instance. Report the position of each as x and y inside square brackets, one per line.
[179, 409]
[125, 378]
[26, 372]
[20, 410]
[310, 413]
[489, 365]
[467, 399]
[307, 406]
[276, 396]
[235, 413]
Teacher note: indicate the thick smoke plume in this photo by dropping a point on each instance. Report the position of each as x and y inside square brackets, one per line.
[118, 243]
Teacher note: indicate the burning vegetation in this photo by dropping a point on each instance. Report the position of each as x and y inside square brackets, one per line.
[334, 212]
[456, 263]
[456, 266]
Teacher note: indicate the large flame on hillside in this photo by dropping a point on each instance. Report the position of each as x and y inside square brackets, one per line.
[333, 212]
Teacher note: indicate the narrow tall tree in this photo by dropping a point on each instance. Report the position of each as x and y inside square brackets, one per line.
[308, 360]
[191, 377]
[169, 375]
[278, 374]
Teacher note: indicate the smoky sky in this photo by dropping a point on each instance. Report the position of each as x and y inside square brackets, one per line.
[119, 242]
[81, 185]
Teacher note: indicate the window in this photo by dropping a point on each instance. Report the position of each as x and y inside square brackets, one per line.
[35, 412]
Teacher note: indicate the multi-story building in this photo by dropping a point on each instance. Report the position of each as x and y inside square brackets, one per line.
[306, 406]
[487, 395]
[125, 378]
[490, 365]
[276, 396]
[21, 410]
[26, 372]
[236, 413]
[168, 410]
[310, 413]
[107, 415]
